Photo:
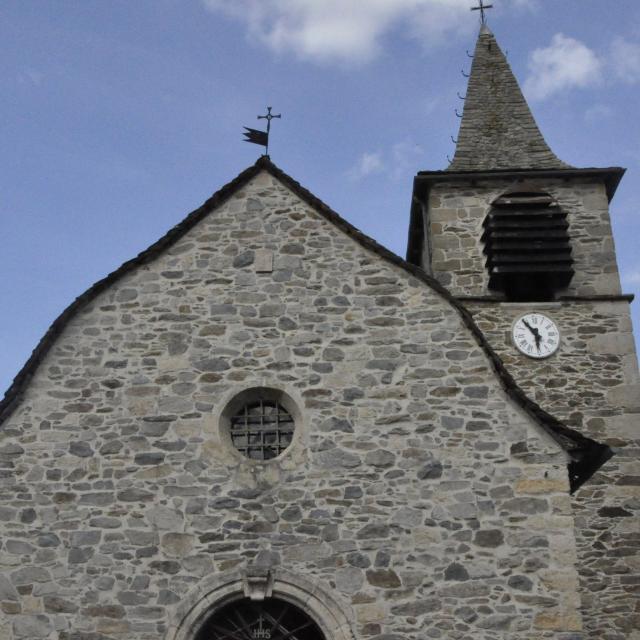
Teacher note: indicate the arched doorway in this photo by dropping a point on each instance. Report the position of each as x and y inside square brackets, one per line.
[268, 619]
[193, 617]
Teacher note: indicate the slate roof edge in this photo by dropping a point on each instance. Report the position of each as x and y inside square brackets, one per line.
[586, 455]
[611, 175]
[14, 394]
[614, 297]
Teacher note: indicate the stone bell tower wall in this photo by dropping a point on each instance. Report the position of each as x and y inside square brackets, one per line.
[591, 383]
[454, 212]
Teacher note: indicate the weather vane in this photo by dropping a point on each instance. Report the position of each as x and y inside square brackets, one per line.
[482, 8]
[256, 136]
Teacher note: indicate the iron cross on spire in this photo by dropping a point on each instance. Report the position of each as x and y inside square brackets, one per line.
[269, 117]
[482, 8]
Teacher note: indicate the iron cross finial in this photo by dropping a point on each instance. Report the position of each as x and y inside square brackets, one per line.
[482, 8]
[269, 117]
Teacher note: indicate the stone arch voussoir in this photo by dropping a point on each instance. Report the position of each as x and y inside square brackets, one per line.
[332, 616]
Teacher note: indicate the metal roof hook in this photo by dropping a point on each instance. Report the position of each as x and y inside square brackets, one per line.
[463, 98]
[469, 54]
[466, 75]
[453, 140]
[458, 114]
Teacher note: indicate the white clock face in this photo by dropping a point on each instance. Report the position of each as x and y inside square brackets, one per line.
[536, 335]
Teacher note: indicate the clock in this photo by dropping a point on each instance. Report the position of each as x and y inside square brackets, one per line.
[536, 335]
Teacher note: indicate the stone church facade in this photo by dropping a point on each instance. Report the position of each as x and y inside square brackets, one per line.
[268, 426]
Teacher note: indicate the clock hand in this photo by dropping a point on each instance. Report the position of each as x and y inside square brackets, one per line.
[535, 332]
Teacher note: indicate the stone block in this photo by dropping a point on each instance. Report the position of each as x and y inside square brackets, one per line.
[626, 396]
[349, 580]
[558, 621]
[263, 261]
[29, 627]
[541, 486]
[612, 343]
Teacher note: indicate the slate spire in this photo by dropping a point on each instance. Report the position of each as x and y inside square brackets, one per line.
[498, 130]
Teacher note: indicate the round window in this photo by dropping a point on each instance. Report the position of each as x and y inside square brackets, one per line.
[260, 423]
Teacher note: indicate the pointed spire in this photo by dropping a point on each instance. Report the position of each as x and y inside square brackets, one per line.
[498, 130]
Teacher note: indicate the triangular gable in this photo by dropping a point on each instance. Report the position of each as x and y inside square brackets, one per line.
[585, 455]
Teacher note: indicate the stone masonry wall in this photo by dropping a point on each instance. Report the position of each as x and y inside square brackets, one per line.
[456, 213]
[404, 491]
[592, 385]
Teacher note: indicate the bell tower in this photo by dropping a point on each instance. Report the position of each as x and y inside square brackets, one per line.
[521, 237]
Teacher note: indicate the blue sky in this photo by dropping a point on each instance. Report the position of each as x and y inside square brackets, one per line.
[121, 116]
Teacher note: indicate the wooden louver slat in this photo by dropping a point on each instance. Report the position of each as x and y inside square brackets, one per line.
[528, 247]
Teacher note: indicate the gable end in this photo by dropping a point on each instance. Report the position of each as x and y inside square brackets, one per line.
[586, 455]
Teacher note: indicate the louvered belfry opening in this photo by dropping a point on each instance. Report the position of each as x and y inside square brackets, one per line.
[527, 244]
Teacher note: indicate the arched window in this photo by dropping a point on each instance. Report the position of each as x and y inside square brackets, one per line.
[269, 619]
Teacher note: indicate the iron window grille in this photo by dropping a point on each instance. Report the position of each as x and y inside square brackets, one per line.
[262, 430]
[271, 619]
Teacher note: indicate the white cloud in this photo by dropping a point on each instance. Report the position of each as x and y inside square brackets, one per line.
[632, 277]
[405, 158]
[529, 5]
[625, 60]
[368, 163]
[345, 30]
[565, 64]
[396, 162]
[597, 113]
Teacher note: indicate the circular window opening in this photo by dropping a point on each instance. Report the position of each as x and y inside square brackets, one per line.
[270, 619]
[260, 423]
